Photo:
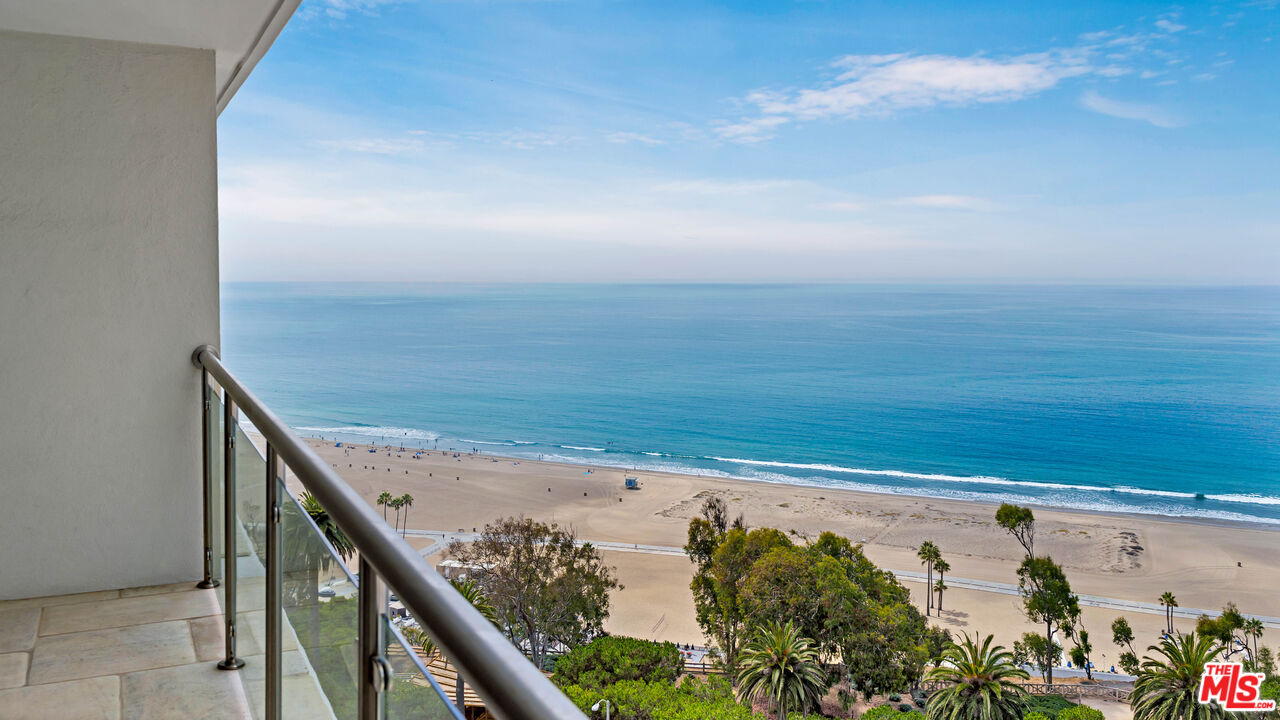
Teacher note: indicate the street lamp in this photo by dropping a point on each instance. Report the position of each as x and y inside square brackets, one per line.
[596, 707]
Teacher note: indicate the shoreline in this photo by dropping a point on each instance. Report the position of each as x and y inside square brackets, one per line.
[1130, 557]
[1248, 524]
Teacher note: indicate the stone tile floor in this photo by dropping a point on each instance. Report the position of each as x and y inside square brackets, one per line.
[145, 652]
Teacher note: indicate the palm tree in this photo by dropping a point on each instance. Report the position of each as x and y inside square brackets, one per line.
[397, 503]
[1169, 602]
[342, 545]
[942, 566]
[1166, 689]
[384, 500]
[417, 637]
[978, 683]
[928, 554]
[406, 502]
[471, 591]
[306, 557]
[1253, 629]
[782, 666]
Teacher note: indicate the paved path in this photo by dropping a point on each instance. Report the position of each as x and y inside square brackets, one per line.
[907, 575]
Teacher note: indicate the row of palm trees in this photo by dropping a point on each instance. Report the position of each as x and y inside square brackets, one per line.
[931, 557]
[980, 681]
[405, 501]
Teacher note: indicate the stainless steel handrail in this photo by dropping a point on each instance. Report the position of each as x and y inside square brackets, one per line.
[509, 683]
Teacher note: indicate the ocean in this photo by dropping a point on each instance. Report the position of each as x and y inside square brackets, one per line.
[1145, 400]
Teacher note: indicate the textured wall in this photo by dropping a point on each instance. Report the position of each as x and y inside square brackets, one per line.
[108, 280]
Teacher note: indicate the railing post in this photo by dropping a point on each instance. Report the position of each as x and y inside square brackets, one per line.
[230, 662]
[206, 457]
[275, 589]
[377, 671]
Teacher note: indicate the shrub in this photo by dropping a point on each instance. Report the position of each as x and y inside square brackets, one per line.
[1081, 712]
[920, 703]
[895, 698]
[1047, 705]
[880, 712]
[889, 712]
[693, 699]
[1035, 716]
[613, 659]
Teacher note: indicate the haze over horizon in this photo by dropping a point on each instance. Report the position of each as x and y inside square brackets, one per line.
[398, 140]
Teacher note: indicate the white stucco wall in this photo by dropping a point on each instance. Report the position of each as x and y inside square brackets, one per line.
[108, 280]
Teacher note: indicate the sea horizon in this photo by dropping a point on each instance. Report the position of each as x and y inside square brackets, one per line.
[1129, 399]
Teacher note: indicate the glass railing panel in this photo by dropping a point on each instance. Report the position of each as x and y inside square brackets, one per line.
[251, 583]
[321, 606]
[214, 440]
[414, 692]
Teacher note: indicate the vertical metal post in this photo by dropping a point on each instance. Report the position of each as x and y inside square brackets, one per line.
[275, 589]
[377, 672]
[230, 662]
[206, 457]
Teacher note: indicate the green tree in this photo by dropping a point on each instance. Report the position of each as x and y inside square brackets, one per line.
[327, 526]
[384, 500]
[1224, 629]
[722, 557]
[406, 502]
[1020, 523]
[1169, 602]
[806, 587]
[1081, 652]
[928, 554]
[979, 683]
[612, 659]
[1034, 649]
[1167, 685]
[1122, 635]
[397, 503]
[781, 665]
[1047, 599]
[545, 588]
[1253, 629]
[942, 566]
[305, 558]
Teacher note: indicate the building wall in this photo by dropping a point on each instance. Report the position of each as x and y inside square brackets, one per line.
[108, 280]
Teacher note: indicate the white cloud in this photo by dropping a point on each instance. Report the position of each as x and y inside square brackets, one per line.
[1130, 110]
[724, 187]
[627, 138]
[946, 202]
[340, 9]
[377, 146]
[882, 84]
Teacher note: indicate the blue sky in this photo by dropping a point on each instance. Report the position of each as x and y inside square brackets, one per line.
[863, 141]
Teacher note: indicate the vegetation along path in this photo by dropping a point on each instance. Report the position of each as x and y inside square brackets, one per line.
[908, 575]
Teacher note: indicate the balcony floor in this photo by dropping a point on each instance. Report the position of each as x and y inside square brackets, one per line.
[146, 652]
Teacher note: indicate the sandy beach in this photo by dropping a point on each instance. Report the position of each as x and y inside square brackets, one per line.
[1122, 557]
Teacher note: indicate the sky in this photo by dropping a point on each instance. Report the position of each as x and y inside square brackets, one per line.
[814, 140]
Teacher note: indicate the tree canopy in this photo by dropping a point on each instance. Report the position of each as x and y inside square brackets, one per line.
[545, 588]
[612, 659]
[1021, 524]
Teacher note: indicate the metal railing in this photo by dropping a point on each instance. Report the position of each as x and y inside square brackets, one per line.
[500, 674]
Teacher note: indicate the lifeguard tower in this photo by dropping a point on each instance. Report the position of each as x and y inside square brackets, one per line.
[633, 483]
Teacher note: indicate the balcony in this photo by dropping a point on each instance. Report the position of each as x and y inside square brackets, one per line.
[278, 627]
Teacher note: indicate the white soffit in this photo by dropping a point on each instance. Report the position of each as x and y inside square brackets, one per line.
[238, 31]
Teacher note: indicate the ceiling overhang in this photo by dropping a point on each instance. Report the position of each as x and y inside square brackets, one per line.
[238, 31]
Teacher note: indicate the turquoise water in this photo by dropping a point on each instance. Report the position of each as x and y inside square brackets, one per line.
[1098, 398]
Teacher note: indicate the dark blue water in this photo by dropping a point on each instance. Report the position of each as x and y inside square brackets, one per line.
[1097, 398]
